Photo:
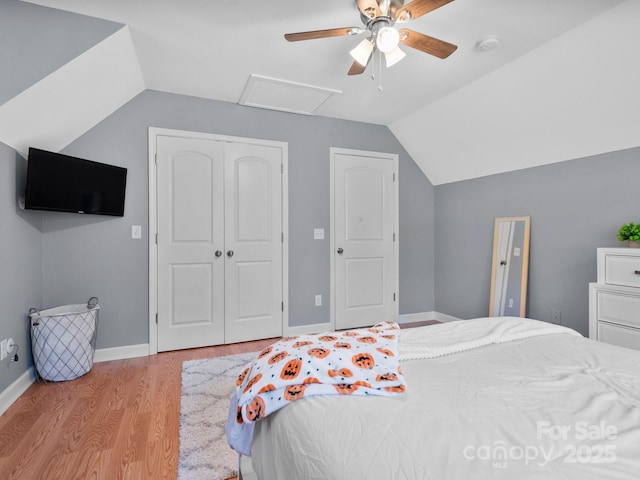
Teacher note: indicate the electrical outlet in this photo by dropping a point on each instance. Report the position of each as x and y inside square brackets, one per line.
[318, 300]
[3, 349]
[556, 316]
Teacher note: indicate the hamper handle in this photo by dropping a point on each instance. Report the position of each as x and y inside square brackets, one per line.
[32, 319]
[93, 301]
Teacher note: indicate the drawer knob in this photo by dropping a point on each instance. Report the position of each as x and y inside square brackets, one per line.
[637, 272]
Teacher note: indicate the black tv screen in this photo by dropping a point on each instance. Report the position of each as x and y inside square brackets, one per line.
[63, 183]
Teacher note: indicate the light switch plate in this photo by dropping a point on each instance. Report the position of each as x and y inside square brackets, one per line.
[136, 231]
[318, 233]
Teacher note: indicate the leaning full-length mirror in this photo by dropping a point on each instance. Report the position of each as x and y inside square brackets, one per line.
[510, 267]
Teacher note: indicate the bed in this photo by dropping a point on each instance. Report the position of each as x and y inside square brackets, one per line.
[480, 403]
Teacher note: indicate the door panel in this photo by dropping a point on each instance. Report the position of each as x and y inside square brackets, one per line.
[190, 185]
[253, 234]
[364, 256]
[192, 289]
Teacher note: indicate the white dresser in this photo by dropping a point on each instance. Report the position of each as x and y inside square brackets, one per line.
[614, 301]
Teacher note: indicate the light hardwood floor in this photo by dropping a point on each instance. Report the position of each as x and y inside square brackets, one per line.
[119, 421]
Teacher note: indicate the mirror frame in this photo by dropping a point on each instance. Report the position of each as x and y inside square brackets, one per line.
[525, 261]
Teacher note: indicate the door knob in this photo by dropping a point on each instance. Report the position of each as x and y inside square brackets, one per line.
[218, 253]
[230, 253]
[503, 262]
[340, 250]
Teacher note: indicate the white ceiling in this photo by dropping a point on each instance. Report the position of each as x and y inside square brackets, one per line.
[210, 48]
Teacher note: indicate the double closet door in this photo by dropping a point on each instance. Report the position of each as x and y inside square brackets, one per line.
[220, 247]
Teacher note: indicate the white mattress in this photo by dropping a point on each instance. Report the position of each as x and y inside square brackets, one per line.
[547, 407]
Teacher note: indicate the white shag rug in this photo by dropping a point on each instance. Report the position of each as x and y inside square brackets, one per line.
[207, 386]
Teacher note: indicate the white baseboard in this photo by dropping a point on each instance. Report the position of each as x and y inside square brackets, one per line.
[416, 317]
[424, 316]
[24, 381]
[17, 388]
[120, 353]
[403, 318]
[442, 317]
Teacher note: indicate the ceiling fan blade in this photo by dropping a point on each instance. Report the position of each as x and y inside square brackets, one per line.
[369, 8]
[417, 8]
[332, 32]
[357, 68]
[427, 44]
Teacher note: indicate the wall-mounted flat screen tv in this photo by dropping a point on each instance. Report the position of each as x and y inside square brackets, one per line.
[62, 183]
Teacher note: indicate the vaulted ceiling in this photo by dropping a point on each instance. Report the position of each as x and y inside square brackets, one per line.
[561, 83]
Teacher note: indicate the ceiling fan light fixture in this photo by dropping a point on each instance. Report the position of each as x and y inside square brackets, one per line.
[387, 39]
[362, 52]
[394, 56]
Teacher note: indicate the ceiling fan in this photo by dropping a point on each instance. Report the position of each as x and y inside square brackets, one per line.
[381, 18]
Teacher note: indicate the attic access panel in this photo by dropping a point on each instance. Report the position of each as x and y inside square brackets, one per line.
[283, 95]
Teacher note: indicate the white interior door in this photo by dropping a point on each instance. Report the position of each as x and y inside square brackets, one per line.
[190, 186]
[220, 242]
[363, 231]
[253, 242]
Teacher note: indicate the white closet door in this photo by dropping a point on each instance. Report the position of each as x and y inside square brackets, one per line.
[190, 203]
[363, 237]
[253, 242]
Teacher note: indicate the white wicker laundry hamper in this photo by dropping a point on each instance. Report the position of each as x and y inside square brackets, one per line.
[63, 340]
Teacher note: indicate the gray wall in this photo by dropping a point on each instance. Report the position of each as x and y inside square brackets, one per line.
[575, 207]
[85, 255]
[35, 41]
[20, 263]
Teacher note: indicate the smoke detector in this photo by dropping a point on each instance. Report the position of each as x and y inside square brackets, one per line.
[487, 43]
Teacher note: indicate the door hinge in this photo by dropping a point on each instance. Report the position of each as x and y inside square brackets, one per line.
[282, 168]
[156, 318]
[394, 236]
[283, 306]
[394, 297]
[394, 176]
[156, 238]
[155, 158]
[282, 237]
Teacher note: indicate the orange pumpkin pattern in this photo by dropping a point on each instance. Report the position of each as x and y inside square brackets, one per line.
[252, 382]
[368, 339]
[363, 360]
[319, 352]
[240, 378]
[285, 371]
[291, 369]
[255, 409]
[294, 392]
[267, 388]
[343, 372]
[327, 338]
[277, 357]
[385, 351]
[265, 352]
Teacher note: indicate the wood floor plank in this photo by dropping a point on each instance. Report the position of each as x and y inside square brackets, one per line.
[119, 421]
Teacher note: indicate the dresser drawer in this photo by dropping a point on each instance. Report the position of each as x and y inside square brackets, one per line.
[614, 307]
[622, 270]
[621, 336]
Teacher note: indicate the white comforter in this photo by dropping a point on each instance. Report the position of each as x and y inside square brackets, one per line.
[487, 398]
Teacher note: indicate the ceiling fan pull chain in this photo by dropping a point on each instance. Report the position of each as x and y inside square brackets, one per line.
[380, 72]
[373, 65]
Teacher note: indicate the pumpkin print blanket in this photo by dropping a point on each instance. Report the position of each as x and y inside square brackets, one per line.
[350, 362]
